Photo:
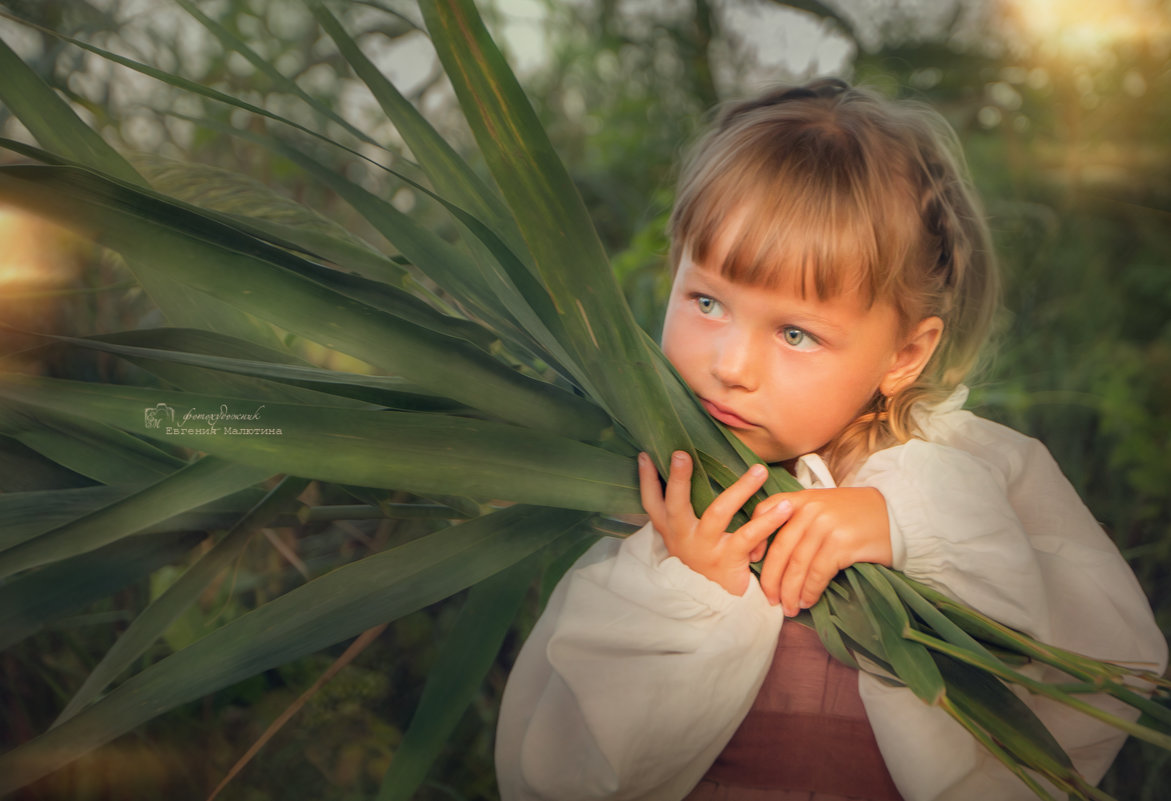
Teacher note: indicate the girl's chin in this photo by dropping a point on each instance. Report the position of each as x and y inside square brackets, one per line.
[769, 453]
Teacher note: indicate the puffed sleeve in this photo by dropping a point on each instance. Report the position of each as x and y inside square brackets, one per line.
[990, 520]
[953, 528]
[633, 680]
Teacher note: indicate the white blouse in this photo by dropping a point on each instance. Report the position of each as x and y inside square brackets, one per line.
[640, 670]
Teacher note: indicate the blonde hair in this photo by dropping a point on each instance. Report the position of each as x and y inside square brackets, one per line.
[834, 188]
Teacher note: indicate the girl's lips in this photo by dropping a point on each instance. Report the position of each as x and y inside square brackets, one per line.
[725, 416]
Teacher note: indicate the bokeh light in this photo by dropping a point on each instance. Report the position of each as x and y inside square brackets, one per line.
[38, 263]
[1085, 27]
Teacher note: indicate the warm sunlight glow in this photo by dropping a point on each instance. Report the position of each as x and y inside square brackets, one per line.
[34, 254]
[1085, 26]
[37, 261]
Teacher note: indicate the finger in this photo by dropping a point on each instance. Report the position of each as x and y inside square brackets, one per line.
[766, 507]
[721, 511]
[755, 533]
[803, 556]
[777, 557]
[821, 572]
[678, 497]
[769, 503]
[651, 492]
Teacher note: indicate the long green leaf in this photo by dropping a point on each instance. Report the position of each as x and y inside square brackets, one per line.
[311, 235]
[44, 132]
[53, 122]
[496, 242]
[460, 190]
[390, 221]
[154, 620]
[194, 485]
[996, 709]
[327, 610]
[182, 305]
[93, 450]
[234, 43]
[23, 470]
[24, 515]
[980, 735]
[209, 353]
[911, 661]
[850, 617]
[252, 276]
[354, 254]
[27, 515]
[473, 283]
[940, 623]
[1109, 676]
[287, 381]
[431, 453]
[994, 669]
[829, 635]
[602, 337]
[468, 653]
[35, 600]
[448, 172]
[57, 126]
[212, 351]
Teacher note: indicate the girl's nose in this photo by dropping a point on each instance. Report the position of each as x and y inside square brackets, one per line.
[734, 364]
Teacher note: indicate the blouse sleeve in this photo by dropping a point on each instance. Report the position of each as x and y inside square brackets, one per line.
[996, 525]
[633, 680]
[953, 528]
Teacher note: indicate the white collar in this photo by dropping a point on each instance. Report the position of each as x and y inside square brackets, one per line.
[813, 473]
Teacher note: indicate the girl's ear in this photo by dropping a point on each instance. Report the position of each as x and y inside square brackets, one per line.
[912, 357]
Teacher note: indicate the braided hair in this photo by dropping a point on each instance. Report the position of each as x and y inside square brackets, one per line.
[832, 188]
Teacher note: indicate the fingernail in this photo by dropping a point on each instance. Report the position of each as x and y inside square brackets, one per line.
[805, 604]
[679, 457]
[784, 507]
[789, 612]
[643, 458]
[758, 471]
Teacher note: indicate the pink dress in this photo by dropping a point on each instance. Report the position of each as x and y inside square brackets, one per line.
[806, 737]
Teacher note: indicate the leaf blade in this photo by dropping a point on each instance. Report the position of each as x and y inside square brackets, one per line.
[161, 612]
[464, 660]
[436, 454]
[198, 483]
[327, 610]
[52, 121]
[248, 274]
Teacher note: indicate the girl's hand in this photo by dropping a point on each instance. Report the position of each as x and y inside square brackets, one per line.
[828, 530]
[704, 544]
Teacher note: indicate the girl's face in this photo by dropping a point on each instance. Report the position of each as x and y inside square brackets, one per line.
[785, 373]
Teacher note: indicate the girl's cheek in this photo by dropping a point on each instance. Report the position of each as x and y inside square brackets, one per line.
[684, 356]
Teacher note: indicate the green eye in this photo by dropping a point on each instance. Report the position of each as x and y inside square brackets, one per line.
[707, 305]
[798, 339]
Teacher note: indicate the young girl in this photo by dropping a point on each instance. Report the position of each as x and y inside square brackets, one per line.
[833, 286]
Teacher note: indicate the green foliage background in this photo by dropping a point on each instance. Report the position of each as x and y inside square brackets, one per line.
[1069, 145]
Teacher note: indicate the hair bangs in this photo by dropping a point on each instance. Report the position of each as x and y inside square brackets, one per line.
[785, 226]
